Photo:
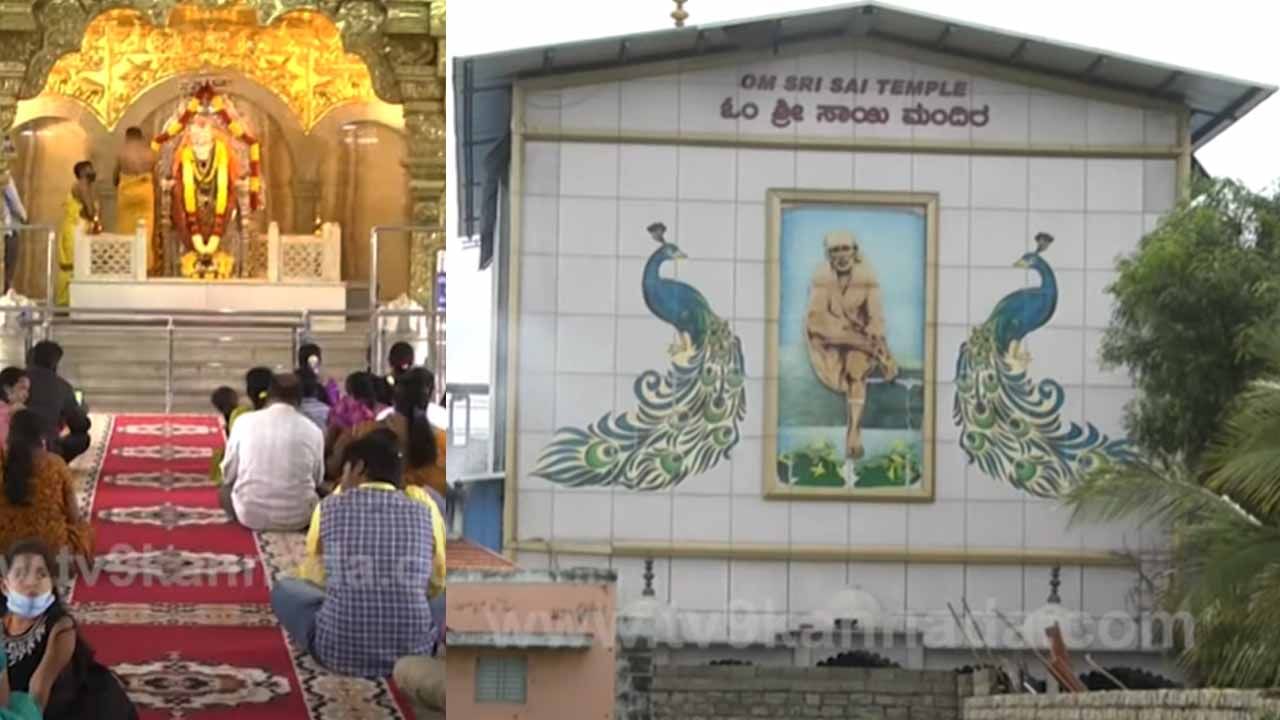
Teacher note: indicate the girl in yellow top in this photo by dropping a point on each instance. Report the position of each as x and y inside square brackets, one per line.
[81, 212]
[312, 567]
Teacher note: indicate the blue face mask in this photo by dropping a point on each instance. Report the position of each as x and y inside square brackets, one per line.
[27, 607]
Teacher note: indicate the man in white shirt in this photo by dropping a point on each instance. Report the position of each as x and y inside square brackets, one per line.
[274, 463]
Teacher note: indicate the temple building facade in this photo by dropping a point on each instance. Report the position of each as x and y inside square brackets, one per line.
[806, 311]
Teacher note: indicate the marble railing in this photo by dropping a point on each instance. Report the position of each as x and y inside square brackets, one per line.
[291, 258]
[108, 256]
[305, 258]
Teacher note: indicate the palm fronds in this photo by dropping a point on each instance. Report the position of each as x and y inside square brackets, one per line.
[1244, 461]
[1223, 516]
[1161, 492]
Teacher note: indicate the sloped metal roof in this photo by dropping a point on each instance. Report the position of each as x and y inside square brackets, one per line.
[466, 555]
[482, 83]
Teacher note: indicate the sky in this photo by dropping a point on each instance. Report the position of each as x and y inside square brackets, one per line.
[1235, 38]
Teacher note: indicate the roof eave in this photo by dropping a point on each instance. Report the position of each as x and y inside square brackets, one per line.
[1248, 100]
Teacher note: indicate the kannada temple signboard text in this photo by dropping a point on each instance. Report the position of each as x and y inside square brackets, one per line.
[857, 101]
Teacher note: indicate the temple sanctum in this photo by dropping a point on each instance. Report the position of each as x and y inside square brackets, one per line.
[247, 143]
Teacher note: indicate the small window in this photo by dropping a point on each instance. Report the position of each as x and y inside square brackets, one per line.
[501, 680]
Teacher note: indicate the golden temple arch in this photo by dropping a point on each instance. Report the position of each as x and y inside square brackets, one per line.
[299, 57]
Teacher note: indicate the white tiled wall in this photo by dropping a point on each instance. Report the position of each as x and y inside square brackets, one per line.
[585, 333]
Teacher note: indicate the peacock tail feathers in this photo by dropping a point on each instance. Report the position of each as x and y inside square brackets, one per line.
[686, 422]
[1011, 427]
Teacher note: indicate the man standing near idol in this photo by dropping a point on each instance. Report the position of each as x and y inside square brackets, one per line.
[135, 192]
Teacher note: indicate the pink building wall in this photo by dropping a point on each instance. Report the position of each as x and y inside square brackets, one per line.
[561, 682]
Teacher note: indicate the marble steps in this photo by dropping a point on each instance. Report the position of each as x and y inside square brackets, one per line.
[123, 370]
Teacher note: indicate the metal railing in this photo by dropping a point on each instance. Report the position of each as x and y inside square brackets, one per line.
[299, 322]
[464, 394]
[50, 255]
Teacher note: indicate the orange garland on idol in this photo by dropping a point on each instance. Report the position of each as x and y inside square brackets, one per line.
[206, 96]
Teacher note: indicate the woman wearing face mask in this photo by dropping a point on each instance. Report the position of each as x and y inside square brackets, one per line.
[39, 497]
[15, 386]
[47, 658]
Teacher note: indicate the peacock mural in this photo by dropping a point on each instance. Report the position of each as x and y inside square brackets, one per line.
[687, 418]
[1010, 425]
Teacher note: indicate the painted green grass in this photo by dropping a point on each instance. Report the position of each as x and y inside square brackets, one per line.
[819, 465]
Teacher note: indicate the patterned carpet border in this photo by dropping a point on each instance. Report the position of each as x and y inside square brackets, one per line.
[176, 614]
[326, 696]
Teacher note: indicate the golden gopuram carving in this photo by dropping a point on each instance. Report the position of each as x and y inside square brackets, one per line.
[314, 54]
[300, 58]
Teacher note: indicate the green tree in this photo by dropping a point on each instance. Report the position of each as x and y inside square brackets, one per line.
[1223, 519]
[1189, 305]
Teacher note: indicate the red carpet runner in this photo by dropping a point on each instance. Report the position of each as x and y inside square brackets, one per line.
[178, 600]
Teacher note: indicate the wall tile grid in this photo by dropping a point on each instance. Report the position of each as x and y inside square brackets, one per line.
[586, 334]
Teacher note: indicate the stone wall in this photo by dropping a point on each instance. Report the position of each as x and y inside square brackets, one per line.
[716, 692]
[1131, 705]
[633, 692]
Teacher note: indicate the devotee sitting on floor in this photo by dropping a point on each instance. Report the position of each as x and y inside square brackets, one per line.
[359, 404]
[378, 557]
[274, 463]
[399, 359]
[54, 400]
[257, 385]
[257, 382]
[312, 567]
[315, 401]
[386, 395]
[39, 498]
[311, 358]
[422, 444]
[15, 386]
[227, 402]
[47, 657]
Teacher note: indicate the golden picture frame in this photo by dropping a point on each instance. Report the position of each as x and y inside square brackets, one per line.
[851, 330]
